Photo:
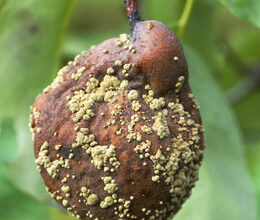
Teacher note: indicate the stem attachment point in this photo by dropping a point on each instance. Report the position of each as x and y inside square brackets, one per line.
[132, 13]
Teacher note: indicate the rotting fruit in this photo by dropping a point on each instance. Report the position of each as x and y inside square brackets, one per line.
[118, 133]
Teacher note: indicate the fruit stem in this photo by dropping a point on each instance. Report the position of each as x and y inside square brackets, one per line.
[185, 18]
[132, 13]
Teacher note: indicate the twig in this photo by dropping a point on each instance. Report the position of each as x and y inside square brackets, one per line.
[132, 12]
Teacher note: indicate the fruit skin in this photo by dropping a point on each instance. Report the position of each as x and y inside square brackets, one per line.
[159, 46]
[157, 60]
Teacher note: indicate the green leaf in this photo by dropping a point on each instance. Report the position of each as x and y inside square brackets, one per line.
[254, 165]
[76, 43]
[57, 215]
[245, 43]
[30, 40]
[99, 15]
[247, 111]
[201, 31]
[22, 171]
[16, 205]
[248, 10]
[224, 190]
[1, 4]
[8, 144]
[153, 9]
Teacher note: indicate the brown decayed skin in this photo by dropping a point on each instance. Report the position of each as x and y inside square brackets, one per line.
[157, 60]
[158, 47]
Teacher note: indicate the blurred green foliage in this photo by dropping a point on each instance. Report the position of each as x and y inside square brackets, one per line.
[248, 10]
[31, 32]
[222, 45]
[18, 205]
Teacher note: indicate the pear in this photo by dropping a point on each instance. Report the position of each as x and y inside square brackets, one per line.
[118, 133]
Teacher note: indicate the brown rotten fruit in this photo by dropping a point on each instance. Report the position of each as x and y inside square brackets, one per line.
[118, 133]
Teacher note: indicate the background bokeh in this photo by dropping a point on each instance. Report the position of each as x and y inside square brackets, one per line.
[222, 45]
